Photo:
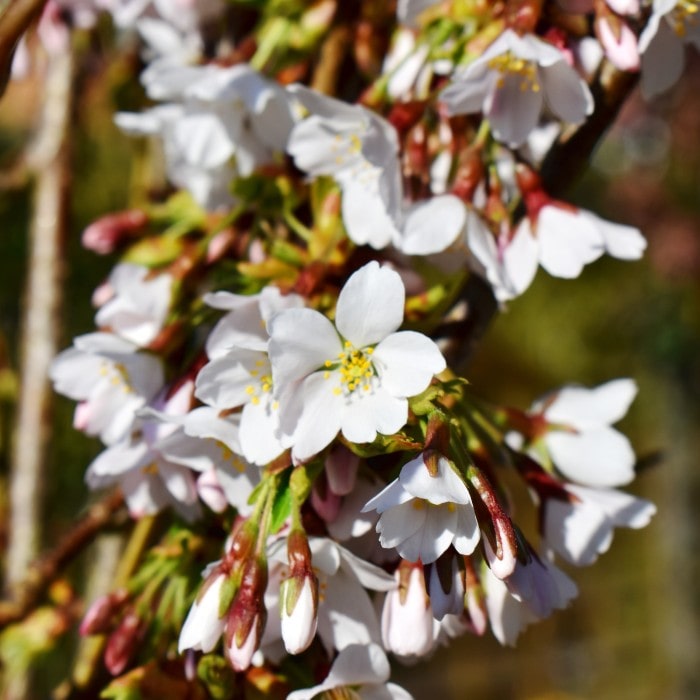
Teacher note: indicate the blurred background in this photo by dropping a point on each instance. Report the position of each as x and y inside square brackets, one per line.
[634, 631]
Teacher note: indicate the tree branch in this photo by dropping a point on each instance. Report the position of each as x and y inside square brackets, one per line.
[109, 511]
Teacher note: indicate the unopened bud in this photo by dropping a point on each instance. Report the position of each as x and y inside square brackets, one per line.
[99, 616]
[618, 41]
[123, 643]
[104, 235]
[407, 618]
[245, 622]
[299, 596]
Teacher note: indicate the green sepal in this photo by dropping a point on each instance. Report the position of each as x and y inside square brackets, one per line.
[216, 675]
[228, 591]
[282, 504]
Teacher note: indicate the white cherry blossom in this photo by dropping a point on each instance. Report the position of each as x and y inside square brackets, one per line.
[362, 669]
[423, 515]
[139, 305]
[226, 122]
[532, 593]
[581, 528]
[580, 440]
[112, 381]
[512, 81]
[240, 374]
[150, 480]
[353, 376]
[359, 149]
[407, 617]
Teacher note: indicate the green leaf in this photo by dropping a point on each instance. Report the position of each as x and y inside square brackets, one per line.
[282, 505]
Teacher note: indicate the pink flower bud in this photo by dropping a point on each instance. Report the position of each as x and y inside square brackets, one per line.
[246, 619]
[104, 235]
[98, 618]
[324, 501]
[123, 643]
[619, 42]
[407, 618]
[298, 596]
[204, 624]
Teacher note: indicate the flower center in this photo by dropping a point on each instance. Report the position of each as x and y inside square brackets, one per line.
[343, 693]
[354, 365]
[261, 381]
[684, 13]
[508, 64]
[118, 375]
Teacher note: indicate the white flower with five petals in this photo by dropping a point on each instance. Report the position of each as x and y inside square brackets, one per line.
[512, 81]
[423, 515]
[354, 376]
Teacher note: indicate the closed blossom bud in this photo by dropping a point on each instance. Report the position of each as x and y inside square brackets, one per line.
[341, 470]
[246, 619]
[407, 618]
[204, 624]
[618, 40]
[298, 596]
[98, 618]
[104, 235]
[123, 642]
[500, 541]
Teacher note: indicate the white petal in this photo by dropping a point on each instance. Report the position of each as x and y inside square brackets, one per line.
[432, 225]
[600, 457]
[367, 214]
[373, 412]
[565, 93]
[520, 260]
[584, 408]
[445, 487]
[514, 111]
[663, 56]
[321, 417]
[623, 509]
[406, 363]
[467, 533]
[301, 340]
[623, 242]
[390, 496]
[258, 434]
[433, 538]
[370, 305]
[567, 241]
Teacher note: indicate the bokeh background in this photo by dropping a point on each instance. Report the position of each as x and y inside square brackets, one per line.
[634, 631]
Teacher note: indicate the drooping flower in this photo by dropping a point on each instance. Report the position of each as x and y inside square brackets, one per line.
[512, 81]
[580, 440]
[407, 616]
[363, 671]
[139, 304]
[239, 373]
[354, 376]
[150, 480]
[581, 528]
[226, 122]
[532, 593]
[423, 515]
[359, 149]
[112, 381]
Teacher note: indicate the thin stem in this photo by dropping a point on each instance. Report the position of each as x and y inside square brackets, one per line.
[43, 300]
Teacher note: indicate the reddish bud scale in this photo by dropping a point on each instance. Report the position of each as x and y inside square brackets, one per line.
[108, 232]
[405, 115]
[123, 643]
[405, 569]
[99, 616]
[248, 608]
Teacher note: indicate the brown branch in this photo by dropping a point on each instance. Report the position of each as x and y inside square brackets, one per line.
[14, 21]
[565, 162]
[28, 594]
[333, 52]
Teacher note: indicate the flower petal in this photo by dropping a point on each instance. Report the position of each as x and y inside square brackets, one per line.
[370, 305]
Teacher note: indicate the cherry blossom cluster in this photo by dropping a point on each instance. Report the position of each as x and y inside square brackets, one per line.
[266, 365]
